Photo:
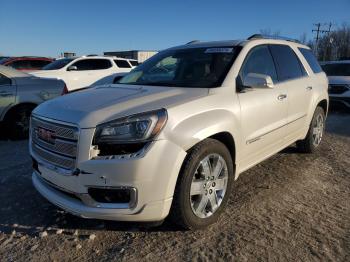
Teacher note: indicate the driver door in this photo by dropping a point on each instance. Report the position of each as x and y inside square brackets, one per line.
[263, 110]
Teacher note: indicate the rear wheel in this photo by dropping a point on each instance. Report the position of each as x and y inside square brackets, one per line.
[315, 133]
[203, 186]
[17, 122]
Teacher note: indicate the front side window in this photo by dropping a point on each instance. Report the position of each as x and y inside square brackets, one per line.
[122, 63]
[92, 64]
[58, 64]
[337, 69]
[259, 61]
[190, 67]
[287, 62]
[4, 80]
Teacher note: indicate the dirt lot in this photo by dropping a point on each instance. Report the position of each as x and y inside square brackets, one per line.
[290, 207]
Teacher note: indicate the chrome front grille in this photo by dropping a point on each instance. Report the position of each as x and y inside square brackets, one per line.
[61, 149]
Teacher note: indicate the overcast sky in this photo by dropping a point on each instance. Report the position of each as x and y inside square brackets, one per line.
[47, 28]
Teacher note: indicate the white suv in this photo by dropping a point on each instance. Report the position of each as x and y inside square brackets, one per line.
[84, 71]
[173, 136]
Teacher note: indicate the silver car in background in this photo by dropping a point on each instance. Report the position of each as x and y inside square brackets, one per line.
[20, 93]
[338, 73]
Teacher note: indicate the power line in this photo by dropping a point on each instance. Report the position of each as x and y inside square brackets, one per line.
[318, 30]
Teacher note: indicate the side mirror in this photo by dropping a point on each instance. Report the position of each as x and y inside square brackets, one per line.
[258, 80]
[72, 68]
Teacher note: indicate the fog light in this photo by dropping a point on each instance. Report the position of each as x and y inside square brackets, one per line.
[110, 195]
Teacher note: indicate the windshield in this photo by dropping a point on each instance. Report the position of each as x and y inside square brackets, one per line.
[341, 69]
[58, 64]
[190, 67]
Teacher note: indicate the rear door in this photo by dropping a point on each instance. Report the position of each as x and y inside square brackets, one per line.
[7, 94]
[88, 72]
[263, 110]
[293, 77]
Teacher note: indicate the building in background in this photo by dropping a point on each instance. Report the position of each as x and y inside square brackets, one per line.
[68, 54]
[139, 55]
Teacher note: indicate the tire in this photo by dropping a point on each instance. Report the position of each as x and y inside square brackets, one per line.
[17, 122]
[194, 189]
[314, 135]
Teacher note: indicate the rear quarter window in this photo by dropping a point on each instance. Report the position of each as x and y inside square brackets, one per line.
[122, 63]
[134, 63]
[311, 60]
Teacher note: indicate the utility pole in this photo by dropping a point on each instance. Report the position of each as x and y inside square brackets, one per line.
[319, 31]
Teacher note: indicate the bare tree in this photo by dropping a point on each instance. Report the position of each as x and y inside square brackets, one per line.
[335, 45]
[303, 38]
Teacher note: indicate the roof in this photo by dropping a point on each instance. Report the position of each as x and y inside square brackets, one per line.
[94, 57]
[10, 72]
[198, 44]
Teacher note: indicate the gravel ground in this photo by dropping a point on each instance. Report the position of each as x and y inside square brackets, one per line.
[290, 207]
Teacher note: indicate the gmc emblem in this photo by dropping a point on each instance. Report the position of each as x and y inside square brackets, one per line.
[46, 135]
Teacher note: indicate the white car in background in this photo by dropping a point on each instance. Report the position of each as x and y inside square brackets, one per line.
[338, 73]
[20, 93]
[82, 72]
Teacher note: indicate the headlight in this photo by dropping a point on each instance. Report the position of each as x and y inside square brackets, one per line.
[136, 128]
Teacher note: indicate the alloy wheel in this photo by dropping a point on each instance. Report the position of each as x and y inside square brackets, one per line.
[208, 185]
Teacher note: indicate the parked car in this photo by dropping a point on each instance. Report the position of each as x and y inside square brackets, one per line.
[20, 93]
[338, 73]
[26, 64]
[172, 142]
[81, 72]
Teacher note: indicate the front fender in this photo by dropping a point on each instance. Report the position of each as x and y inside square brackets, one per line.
[200, 126]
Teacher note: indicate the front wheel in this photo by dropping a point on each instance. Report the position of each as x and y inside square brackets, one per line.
[315, 132]
[203, 186]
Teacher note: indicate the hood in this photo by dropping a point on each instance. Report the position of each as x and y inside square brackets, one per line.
[338, 80]
[93, 106]
[45, 73]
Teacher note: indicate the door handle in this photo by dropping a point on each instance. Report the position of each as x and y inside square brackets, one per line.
[281, 97]
[309, 88]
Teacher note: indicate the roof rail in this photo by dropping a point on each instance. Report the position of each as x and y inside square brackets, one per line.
[261, 36]
[192, 42]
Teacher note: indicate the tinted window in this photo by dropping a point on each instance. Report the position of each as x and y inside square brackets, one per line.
[259, 61]
[311, 59]
[122, 63]
[342, 69]
[38, 63]
[58, 64]
[189, 67]
[92, 64]
[288, 64]
[134, 63]
[4, 80]
[19, 64]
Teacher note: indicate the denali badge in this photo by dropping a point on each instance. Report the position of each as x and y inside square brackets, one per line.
[46, 135]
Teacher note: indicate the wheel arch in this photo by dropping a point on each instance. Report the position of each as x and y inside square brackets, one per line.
[227, 139]
[324, 105]
[16, 106]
